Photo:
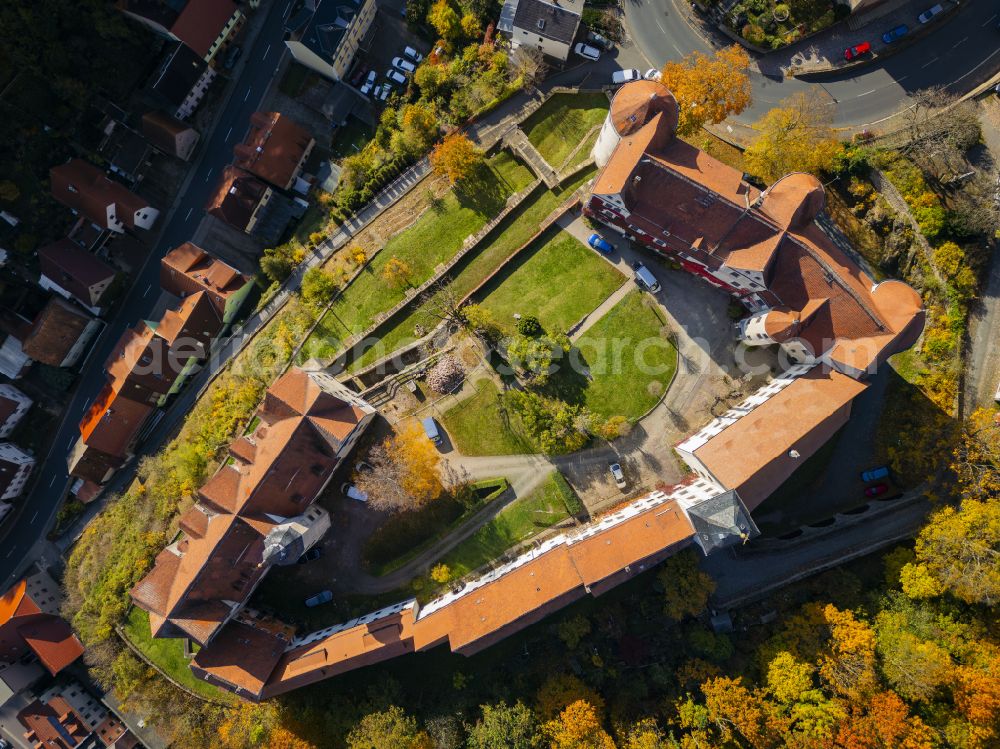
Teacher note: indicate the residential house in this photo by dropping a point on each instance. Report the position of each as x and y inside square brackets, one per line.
[73, 273]
[205, 26]
[169, 134]
[275, 149]
[90, 192]
[109, 431]
[59, 334]
[67, 716]
[256, 510]
[325, 35]
[249, 205]
[14, 405]
[182, 81]
[188, 269]
[31, 626]
[13, 361]
[126, 152]
[549, 26]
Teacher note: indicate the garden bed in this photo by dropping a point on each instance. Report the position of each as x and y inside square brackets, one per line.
[768, 24]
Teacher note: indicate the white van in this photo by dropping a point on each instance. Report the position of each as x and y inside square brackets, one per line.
[646, 280]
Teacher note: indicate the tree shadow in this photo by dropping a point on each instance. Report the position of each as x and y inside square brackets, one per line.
[570, 379]
[483, 191]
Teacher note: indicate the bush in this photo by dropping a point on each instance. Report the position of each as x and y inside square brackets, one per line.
[529, 326]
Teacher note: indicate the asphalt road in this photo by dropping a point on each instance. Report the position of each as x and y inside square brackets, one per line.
[963, 52]
[51, 480]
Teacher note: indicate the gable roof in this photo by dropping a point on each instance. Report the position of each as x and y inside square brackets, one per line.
[89, 191]
[180, 71]
[235, 197]
[112, 422]
[201, 22]
[273, 149]
[548, 19]
[74, 269]
[48, 636]
[188, 268]
[56, 330]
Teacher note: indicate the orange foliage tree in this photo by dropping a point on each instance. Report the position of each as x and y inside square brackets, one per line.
[709, 89]
[456, 157]
[577, 727]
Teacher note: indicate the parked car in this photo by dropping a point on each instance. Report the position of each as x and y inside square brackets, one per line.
[369, 82]
[644, 279]
[231, 57]
[395, 76]
[618, 475]
[929, 13]
[431, 430]
[876, 490]
[874, 474]
[585, 50]
[857, 50]
[403, 64]
[624, 76]
[382, 91]
[653, 74]
[599, 41]
[358, 75]
[310, 556]
[600, 244]
[350, 491]
[324, 596]
[897, 33]
[413, 54]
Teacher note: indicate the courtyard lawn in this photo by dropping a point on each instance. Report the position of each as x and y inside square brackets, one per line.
[558, 280]
[168, 656]
[477, 427]
[516, 229]
[630, 362]
[523, 518]
[562, 122]
[350, 138]
[433, 239]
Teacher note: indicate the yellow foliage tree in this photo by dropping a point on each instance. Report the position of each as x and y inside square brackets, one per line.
[443, 17]
[456, 157]
[577, 727]
[794, 137]
[709, 89]
[396, 272]
[420, 460]
[440, 573]
[848, 665]
[559, 690]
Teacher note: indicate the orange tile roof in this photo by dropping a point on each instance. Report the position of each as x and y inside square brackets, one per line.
[53, 642]
[188, 268]
[273, 149]
[752, 455]
[634, 106]
[112, 422]
[241, 655]
[196, 320]
[201, 22]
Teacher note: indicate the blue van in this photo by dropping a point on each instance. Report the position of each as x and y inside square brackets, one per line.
[431, 430]
[874, 474]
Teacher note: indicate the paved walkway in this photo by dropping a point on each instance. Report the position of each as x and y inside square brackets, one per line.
[592, 317]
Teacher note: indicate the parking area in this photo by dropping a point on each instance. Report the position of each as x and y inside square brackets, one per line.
[389, 38]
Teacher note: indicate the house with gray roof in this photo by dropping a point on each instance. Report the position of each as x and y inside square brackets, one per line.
[547, 25]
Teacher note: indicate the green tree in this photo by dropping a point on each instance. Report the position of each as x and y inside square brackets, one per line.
[482, 321]
[685, 587]
[388, 729]
[318, 286]
[574, 629]
[504, 726]
[916, 667]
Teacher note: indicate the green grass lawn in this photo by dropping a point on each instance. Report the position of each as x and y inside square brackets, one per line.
[584, 153]
[516, 229]
[477, 427]
[562, 122]
[435, 237]
[350, 138]
[558, 280]
[622, 384]
[520, 520]
[168, 655]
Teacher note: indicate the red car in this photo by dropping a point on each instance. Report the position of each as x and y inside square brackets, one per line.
[875, 490]
[857, 50]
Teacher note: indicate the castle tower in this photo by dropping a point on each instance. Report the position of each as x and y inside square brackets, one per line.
[634, 105]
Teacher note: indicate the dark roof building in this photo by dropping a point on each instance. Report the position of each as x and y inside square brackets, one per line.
[546, 25]
[181, 81]
[203, 25]
[106, 203]
[249, 205]
[170, 135]
[72, 272]
[14, 405]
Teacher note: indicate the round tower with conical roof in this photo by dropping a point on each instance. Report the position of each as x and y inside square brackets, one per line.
[632, 107]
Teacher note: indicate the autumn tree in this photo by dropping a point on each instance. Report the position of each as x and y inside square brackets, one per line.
[388, 729]
[528, 64]
[794, 137]
[976, 458]
[915, 666]
[404, 471]
[559, 690]
[396, 272]
[318, 286]
[456, 157]
[957, 553]
[445, 20]
[482, 322]
[884, 720]
[685, 587]
[734, 708]
[577, 727]
[645, 734]
[504, 726]
[848, 663]
[440, 573]
[708, 89]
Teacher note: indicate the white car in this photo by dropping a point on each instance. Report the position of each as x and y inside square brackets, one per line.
[624, 76]
[413, 54]
[369, 82]
[382, 91]
[652, 74]
[591, 53]
[929, 14]
[395, 76]
[405, 65]
[618, 475]
[352, 492]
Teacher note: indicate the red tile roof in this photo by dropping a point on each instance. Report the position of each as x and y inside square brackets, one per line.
[273, 149]
[24, 626]
[112, 422]
[89, 191]
[188, 269]
[236, 197]
[74, 269]
[201, 22]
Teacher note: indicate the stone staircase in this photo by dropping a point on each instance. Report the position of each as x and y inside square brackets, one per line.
[518, 142]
